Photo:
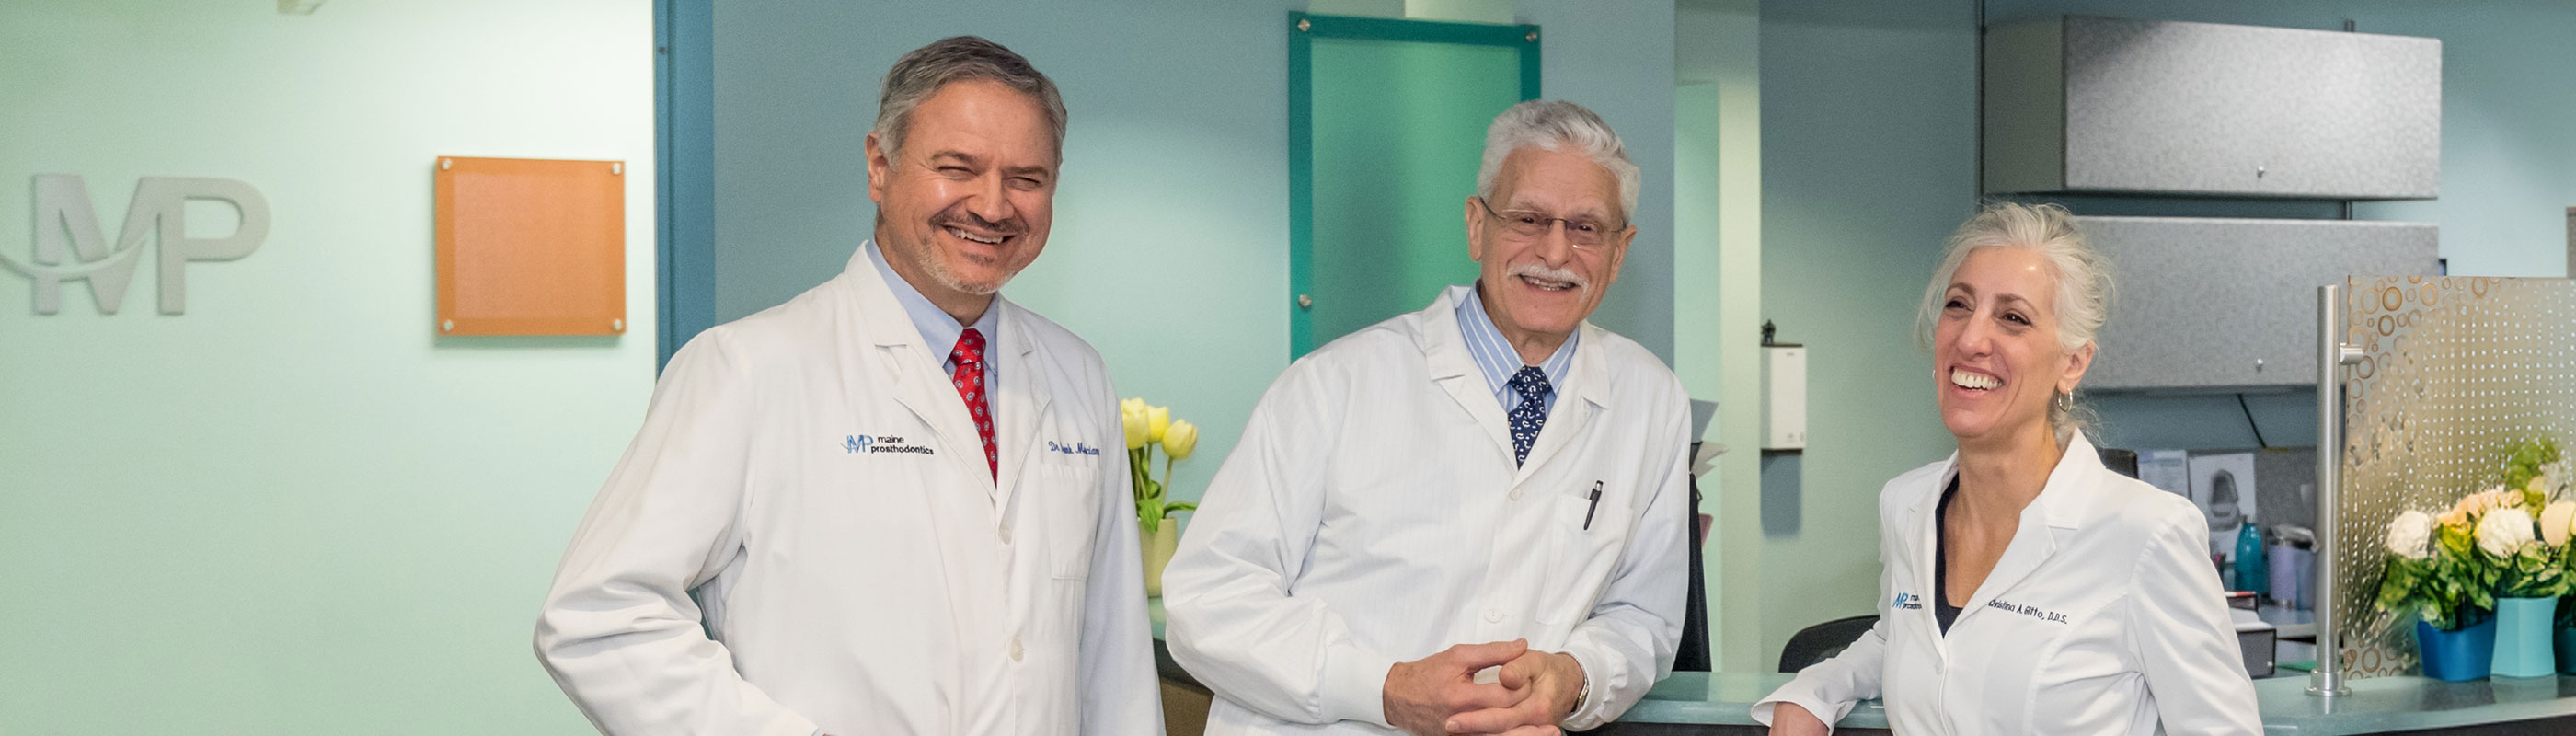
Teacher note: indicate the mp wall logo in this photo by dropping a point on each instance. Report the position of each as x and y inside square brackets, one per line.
[160, 209]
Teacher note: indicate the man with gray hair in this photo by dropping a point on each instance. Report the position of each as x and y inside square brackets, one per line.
[1491, 483]
[884, 506]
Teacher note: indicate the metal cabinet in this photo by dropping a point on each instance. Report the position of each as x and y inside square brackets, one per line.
[2229, 304]
[2107, 105]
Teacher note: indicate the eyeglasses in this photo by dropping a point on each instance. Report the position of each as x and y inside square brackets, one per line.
[1581, 232]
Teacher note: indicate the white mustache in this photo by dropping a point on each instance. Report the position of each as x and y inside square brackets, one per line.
[1539, 270]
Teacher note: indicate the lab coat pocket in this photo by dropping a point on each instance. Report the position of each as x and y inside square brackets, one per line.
[1581, 554]
[1069, 504]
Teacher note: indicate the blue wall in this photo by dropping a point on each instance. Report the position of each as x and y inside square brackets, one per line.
[1868, 161]
[1170, 249]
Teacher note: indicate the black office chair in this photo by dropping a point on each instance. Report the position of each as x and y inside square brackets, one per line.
[1822, 641]
[2124, 462]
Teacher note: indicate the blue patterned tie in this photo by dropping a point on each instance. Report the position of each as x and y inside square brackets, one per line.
[1526, 418]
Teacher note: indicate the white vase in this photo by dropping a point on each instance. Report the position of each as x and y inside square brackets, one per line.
[1157, 552]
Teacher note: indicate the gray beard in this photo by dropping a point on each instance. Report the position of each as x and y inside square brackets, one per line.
[938, 270]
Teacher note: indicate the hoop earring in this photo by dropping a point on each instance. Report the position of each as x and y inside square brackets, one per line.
[2066, 401]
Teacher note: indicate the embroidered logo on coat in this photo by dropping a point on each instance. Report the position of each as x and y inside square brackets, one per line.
[2031, 611]
[861, 444]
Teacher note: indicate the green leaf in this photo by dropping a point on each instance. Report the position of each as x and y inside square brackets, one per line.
[2398, 584]
[2525, 460]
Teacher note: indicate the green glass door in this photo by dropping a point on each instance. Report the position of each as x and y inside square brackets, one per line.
[1386, 129]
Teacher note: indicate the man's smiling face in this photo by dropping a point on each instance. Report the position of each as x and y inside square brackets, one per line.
[967, 201]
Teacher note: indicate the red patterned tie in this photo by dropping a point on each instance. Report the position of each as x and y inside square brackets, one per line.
[969, 357]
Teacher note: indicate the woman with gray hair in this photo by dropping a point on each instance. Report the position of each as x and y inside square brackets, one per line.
[2024, 587]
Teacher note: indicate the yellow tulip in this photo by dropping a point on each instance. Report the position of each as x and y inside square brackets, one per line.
[1132, 406]
[1158, 419]
[1180, 439]
[1134, 423]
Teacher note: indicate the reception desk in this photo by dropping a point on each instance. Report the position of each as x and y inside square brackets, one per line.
[1721, 703]
[1718, 703]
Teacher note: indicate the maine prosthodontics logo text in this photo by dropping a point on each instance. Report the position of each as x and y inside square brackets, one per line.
[863, 444]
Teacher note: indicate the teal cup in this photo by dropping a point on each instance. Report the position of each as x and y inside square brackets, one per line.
[2526, 638]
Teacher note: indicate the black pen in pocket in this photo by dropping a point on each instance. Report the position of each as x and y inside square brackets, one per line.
[1596, 506]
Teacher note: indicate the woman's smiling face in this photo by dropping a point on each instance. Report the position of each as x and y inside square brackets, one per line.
[1996, 360]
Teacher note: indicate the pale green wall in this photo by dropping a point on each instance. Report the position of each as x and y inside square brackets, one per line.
[1717, 296]
[294, 510]
[1698, 346]
[1868, 161]
[1170, 247]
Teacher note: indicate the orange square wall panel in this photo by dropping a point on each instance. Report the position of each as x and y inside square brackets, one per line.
[531, 247]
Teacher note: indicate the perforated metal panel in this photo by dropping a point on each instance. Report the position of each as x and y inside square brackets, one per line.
[2455, 369]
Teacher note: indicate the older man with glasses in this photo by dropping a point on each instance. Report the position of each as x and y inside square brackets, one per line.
[1460, 520]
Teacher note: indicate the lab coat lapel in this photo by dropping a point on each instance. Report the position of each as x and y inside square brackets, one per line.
[1927, 560]
[2056, 512]
[1019, 404]
[1444, 350]
[913, 366]
[897, 365]
[1584, 394]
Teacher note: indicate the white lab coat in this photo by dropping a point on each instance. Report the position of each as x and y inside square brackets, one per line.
[805, 536]
[2104, 616]
[1372, 514]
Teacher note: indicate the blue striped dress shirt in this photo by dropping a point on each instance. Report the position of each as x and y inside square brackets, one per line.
[1498, 361]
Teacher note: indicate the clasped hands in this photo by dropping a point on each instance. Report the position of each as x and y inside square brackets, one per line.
[1439, 696]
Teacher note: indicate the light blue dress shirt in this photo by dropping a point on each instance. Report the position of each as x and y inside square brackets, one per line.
[1496, 358]
[939, 332]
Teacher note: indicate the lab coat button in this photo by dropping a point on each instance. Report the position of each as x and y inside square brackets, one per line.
[1493, 615]
[1015, 649]
[1006, 535]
